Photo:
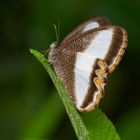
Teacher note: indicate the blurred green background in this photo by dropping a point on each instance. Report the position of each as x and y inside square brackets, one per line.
[30, 107]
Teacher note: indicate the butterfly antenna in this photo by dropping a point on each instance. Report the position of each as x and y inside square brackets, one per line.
[57, 31]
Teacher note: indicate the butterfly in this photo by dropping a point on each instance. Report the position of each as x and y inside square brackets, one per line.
[86, 57]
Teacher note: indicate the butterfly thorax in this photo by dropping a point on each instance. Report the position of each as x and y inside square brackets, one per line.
[53, 52]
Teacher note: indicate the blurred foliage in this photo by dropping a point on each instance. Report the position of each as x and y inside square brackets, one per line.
[128, 124]
[25, 87]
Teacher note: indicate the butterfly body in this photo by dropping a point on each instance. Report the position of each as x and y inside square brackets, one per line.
[86, 57]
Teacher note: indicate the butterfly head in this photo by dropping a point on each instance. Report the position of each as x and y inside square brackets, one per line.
[53, 45]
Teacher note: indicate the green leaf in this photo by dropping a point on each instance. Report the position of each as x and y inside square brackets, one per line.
[87, 126]
[99, 126]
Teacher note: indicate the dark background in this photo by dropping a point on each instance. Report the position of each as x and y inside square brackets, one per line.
[29, 104]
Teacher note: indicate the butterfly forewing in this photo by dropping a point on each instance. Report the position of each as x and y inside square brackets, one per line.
[84, 61]
[87, 26]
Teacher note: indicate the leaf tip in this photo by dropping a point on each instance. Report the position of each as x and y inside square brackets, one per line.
[32, 51]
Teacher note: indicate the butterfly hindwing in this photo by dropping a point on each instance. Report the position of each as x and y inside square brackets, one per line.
[107, 43]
